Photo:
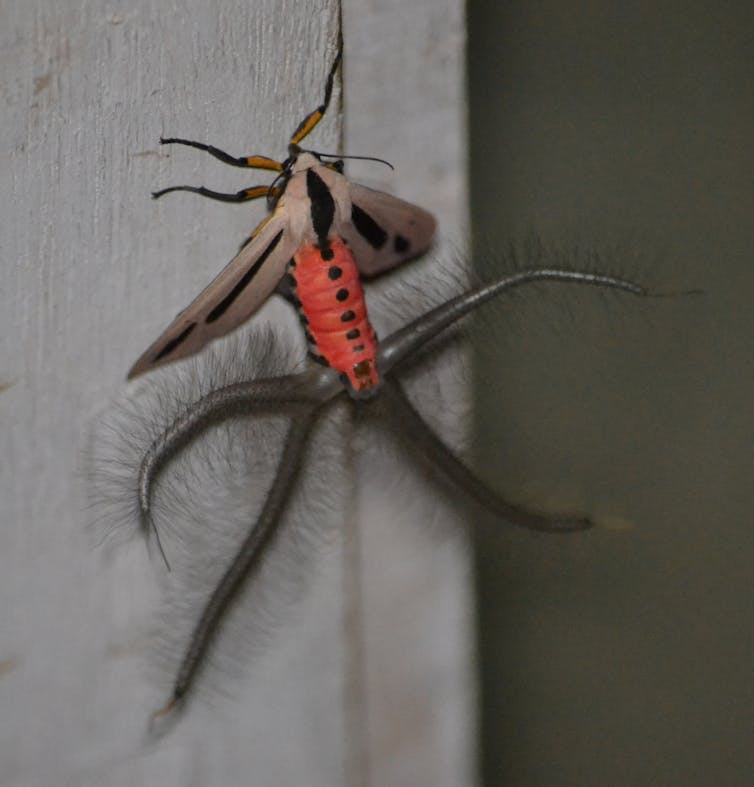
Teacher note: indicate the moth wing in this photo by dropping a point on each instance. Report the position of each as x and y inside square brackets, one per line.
[230, 299]
[385, 231]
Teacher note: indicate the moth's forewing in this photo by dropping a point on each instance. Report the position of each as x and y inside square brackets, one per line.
[233, 296]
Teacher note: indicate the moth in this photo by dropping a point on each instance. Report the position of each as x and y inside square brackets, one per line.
[324, 233]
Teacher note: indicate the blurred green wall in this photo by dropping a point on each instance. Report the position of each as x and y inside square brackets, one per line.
[623, 656]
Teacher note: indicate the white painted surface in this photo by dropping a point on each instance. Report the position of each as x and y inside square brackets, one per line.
[92, 270]
[405, 101]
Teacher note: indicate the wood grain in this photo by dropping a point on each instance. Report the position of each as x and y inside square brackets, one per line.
[92, 271]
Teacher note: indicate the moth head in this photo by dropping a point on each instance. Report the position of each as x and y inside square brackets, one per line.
[301, 157]
[294, 151]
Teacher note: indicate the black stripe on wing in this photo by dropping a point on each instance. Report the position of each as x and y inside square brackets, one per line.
[367, 227]
[322, 206]
[171, 345]
[243, 282]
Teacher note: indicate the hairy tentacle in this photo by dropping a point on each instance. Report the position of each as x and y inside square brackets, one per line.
[407, 340]
[313, 386]
[250, 555]
[416, 434]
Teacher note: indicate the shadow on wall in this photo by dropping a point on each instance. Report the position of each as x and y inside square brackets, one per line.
[621, 656]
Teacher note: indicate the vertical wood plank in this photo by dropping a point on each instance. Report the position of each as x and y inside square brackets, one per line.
[405, 101]
[92, 270]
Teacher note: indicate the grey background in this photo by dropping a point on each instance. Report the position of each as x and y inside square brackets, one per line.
[622, 656]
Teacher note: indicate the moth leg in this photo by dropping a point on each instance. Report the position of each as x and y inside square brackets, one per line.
[416, 434]
[248, 557]
[273, 394]
[306, 126]
[254, 192]
[252, 162]
[406, 341]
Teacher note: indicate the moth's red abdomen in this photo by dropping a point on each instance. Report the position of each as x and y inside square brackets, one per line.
[332, 301]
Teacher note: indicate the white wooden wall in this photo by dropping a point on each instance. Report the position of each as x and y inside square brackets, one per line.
[370, 681]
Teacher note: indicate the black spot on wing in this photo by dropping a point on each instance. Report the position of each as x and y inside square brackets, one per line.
[368, 228]
[322, 206]
[173, 343]
[230, 298]
[401, 244]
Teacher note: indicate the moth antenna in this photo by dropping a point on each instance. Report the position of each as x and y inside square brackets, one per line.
[359, 158]
[249, 556]
[409, 339]
[416, 435]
